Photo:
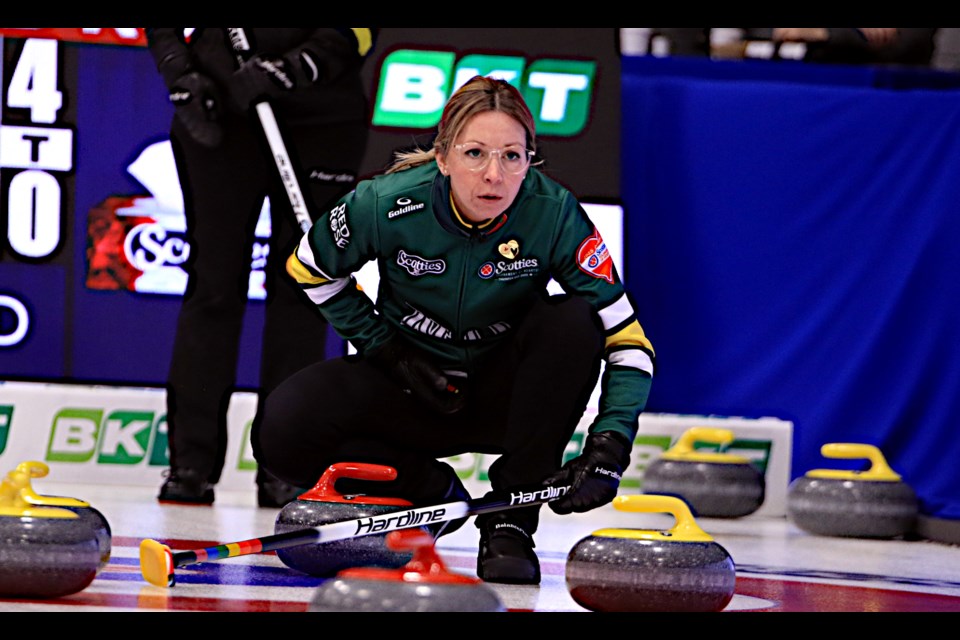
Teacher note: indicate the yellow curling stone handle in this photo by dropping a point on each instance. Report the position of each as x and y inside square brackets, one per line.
[685, 529]
[37, 469]
[879, 470]
[13, 504]
[683, 448]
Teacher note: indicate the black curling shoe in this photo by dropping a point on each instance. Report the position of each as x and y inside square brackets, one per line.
[186, 486]
[506, 554]
[274, 493]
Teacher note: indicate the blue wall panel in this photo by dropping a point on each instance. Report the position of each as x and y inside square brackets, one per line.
[792, 246]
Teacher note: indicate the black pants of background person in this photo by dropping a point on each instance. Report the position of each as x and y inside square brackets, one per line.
[223, 192]
[524, 403]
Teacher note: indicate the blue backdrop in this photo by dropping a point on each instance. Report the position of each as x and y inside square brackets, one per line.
[793, 249]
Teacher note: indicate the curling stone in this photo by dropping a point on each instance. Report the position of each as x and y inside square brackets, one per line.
[94, 519]
[874, 503]
[45, 552]
[323, 504]
[423, 585]
[717, 485]
[637, 570]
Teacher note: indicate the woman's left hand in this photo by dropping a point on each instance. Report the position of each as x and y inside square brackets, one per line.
[594, 476]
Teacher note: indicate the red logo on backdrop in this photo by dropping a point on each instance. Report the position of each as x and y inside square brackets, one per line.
[131, 36]
[107, 265]
[594, 259]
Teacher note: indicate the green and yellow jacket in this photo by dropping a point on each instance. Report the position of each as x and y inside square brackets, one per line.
[458, 291]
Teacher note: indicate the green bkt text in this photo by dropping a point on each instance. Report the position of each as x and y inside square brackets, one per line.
[124, 437]
[6, 417]
[415, 85]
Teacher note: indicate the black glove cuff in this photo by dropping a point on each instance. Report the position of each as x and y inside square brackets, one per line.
[197, 104]
[308, 66]
[610, 444]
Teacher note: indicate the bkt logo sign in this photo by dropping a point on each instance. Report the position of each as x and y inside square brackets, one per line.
[415, 85]
[122, 437]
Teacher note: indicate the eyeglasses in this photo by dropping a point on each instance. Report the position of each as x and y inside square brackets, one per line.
[476, 157]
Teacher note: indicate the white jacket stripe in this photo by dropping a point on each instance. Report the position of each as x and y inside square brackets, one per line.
[322, 293]
[634, 358]
[305, 256]
[616, 313]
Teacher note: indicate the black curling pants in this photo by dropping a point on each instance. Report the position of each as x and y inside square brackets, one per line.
[223, 192]
[524, 403]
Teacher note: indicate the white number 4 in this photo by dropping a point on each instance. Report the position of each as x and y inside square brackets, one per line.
[34, 82]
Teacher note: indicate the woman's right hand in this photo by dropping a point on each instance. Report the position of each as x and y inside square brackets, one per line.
[418, 375]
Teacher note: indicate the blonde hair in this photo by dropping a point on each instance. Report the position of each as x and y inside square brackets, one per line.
[478, 95]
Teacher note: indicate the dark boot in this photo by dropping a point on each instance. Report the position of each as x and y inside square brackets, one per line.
[506, 550]
[274, 493]
[186, 486]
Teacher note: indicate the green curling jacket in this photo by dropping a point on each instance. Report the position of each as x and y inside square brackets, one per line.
[458, 292]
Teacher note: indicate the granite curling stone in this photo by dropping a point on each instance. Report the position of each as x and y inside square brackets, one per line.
[93, 517]
[717, 485]
[873, 503]
[423, 585]
[636, 570]
[323, 504]
[45, 552]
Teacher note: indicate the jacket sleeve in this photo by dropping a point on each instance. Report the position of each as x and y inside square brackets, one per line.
[340, 243]
[169, 51]
[583, 266]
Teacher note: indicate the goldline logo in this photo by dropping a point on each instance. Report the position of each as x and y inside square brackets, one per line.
[415, 85]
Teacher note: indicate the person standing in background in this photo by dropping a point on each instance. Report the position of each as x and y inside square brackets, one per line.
[311, 77]
[891, 46]
[881, 46]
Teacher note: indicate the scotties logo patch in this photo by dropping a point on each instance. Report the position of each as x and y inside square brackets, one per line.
[594, 259]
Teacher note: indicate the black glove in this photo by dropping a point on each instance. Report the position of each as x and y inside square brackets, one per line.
[594, 475]
[262, 77]
[197, 103]
[418, 375]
